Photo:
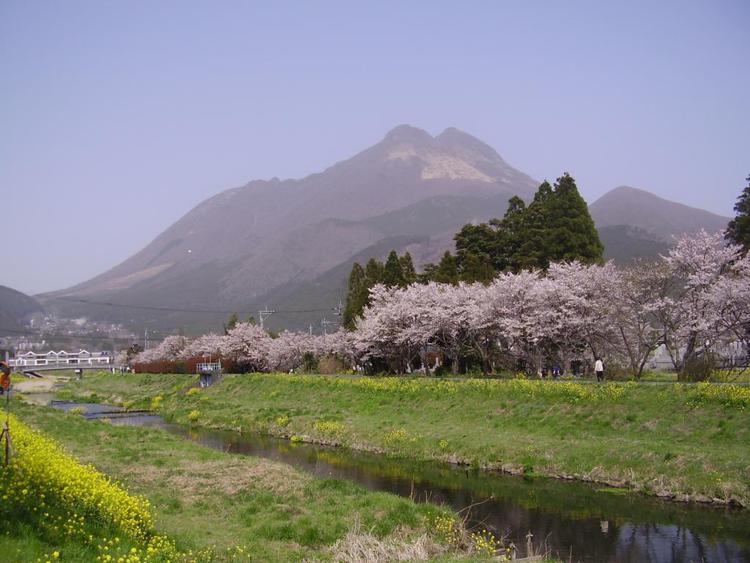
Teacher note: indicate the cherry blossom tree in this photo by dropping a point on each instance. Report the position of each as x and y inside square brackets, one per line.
[205, 345]
[248, 345]
[286, 352]
[519, 305]
[635, 303]
[169, 349]
[730, 300]
[383, 333]
[688, 315]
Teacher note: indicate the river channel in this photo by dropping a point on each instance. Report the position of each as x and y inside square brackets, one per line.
[573, 521]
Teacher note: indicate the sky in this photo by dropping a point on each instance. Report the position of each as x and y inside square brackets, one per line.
[117, 118]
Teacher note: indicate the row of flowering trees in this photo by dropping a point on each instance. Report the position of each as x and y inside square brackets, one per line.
[693, 301]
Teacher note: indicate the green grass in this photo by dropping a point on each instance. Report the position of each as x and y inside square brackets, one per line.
[204, 498]
[692, 442]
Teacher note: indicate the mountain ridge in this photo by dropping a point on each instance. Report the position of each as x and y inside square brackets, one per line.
[625, 205]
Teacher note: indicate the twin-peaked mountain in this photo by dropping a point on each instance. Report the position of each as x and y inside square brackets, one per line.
[289, 244]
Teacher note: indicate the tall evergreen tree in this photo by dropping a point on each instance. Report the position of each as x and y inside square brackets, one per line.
[476, 268]
[392, 275]
[738, 230]
[407, 268]
[356, 297]
[572, 233]
[374, 271]
[532, 232]
[231, 322]
[509, 238]
[446, 271]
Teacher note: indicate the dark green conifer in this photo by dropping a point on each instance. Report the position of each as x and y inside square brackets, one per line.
[374, 271]
[571, 231]
[407, 268]
[738, 230]
[356, 297]
[392, 275]
[446, 271]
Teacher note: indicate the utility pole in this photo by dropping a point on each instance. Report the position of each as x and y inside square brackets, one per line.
[338, 309]
[265, 313]
[325, 323]
[145, 339]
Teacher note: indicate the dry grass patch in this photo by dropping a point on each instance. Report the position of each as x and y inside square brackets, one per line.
[359, 546]
[193, 478]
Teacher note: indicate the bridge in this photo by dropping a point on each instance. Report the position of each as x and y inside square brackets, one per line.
[33, 362]
[36, 371]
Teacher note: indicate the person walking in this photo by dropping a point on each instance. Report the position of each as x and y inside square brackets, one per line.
[599, 369]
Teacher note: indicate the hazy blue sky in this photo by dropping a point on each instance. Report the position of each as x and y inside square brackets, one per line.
[133, 112]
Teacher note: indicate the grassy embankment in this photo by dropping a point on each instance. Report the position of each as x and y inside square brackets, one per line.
[211, 505]
[691, 442]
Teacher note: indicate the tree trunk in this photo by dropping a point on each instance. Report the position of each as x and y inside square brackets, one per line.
[425, 363]
[689, 351]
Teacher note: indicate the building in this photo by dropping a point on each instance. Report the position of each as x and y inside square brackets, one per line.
[61, 358]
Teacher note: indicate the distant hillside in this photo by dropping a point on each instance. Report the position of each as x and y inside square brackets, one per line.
[623, 244]
[660, 217]
[14, 308]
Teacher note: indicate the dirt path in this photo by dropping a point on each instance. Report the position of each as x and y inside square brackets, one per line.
[43, 385]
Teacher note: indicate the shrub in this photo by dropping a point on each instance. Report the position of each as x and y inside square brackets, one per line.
[697, 368]
[156, 402]
[282, 420]
[310, 362]
[330, 428]
[194, 415]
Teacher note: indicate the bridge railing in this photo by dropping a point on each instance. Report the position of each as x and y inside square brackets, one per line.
[48, 362]
[208, 367]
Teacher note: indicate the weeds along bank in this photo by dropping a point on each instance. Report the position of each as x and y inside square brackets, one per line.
[688, 442]
[197, 504]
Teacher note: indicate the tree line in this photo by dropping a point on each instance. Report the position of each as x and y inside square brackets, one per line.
[695, 302]
[556, 226]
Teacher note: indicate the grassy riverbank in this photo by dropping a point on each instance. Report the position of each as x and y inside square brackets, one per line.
[229, 507]
[683, 441]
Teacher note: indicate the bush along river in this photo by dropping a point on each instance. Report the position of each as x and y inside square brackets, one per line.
[570, 520]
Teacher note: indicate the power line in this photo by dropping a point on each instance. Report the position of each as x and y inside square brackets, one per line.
[181, 310]
[53, 336]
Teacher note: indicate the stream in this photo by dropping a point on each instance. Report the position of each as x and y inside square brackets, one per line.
[571, 520]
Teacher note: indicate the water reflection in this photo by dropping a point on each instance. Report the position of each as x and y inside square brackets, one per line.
[574, 521]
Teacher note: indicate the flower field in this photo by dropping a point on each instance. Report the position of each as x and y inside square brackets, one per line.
[70, 504]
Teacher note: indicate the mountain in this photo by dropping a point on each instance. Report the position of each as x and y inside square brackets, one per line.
[289, 244]
[634, 223]
[623, 244]
[659, 217]
[246, 246]
[15, 307]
